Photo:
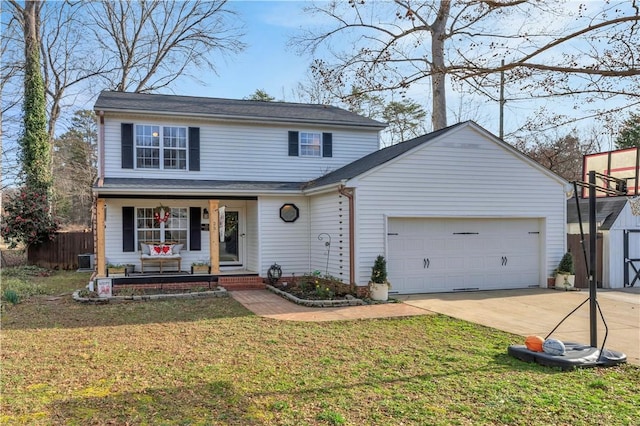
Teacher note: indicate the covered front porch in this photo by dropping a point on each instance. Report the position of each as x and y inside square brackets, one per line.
[218, 233]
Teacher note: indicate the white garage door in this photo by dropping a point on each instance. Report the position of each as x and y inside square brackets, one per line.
[438, 255]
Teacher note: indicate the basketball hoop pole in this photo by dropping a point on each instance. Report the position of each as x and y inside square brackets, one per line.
[593, 324]
[620, 189]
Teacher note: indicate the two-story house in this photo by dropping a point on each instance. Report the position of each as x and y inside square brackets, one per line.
[246, 184]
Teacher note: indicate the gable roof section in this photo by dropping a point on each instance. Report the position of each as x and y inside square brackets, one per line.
[232, 109]
[607, 210]
[384, 155]
[375, 159]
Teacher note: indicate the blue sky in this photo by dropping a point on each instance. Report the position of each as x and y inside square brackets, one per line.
[267, 63]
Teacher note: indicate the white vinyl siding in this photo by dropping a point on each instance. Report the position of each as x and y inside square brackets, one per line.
[243, 151]
[284, 243]
[330, 222]
[464, 175]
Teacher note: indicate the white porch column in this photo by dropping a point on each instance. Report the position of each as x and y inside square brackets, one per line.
[214, 237]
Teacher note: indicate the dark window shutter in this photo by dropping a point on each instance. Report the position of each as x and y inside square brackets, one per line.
[327, 145]
[293, 144]
[194, 149]
[194, 229]
[126, 136]
[128, 229]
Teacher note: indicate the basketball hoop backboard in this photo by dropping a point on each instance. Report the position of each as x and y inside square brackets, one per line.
[621, 164]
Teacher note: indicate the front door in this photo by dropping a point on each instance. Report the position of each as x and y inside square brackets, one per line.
[231, 249]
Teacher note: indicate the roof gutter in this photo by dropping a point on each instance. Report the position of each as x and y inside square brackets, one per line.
[350, 194]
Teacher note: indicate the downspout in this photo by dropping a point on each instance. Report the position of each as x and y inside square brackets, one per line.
[350, 193]
[101, 150]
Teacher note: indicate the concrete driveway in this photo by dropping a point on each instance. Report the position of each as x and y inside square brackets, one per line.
[538, 311]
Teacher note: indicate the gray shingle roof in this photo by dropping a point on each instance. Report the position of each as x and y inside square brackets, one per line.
[607, 210]
[375, 159]
[175, 186]
[232, 109]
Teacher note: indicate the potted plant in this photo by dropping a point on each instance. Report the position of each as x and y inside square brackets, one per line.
[200, 267]
[379, 286]
[565, 273]
[116, 269]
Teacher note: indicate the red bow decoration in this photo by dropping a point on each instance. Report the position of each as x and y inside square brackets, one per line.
[160, 209]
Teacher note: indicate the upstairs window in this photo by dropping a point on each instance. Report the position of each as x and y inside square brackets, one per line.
[310, 144]
[161, 147]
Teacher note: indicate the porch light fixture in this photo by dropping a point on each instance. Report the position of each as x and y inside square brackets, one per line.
[289, 212]
[205, 214]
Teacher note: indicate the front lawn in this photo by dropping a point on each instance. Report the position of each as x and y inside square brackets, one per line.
[211, 362]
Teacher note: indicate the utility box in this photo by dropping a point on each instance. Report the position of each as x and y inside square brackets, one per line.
[86, 262]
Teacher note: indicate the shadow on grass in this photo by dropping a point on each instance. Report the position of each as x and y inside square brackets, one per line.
[506, 361]
[224, 402]
[63, 312]
[217, 402]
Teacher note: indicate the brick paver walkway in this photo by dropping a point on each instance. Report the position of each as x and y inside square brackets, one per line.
[269, 305]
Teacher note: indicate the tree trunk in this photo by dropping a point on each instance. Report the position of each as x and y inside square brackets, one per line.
[36, 149]
[438, 69]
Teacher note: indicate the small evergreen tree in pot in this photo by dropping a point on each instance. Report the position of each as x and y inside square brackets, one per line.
[565, 274]
[566, 265]
[379, 286]
[379, 271]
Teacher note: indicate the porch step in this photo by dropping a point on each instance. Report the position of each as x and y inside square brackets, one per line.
[241, 283]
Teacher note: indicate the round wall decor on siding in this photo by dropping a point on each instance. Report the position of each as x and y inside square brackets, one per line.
[289, 212]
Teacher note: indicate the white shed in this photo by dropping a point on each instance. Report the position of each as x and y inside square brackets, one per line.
[620, 231]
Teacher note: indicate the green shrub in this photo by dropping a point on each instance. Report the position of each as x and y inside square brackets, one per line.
[23, 288]
[27, 218]
[11, 296]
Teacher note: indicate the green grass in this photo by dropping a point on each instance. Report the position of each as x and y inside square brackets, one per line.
[211, 362]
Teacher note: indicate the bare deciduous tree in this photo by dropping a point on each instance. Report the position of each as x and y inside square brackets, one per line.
[560, 154]
[92, 45]
[153, 43]
[384, 46]
[392, 46]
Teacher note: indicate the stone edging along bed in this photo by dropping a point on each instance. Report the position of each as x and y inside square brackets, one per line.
[350, 301]
[221, 292]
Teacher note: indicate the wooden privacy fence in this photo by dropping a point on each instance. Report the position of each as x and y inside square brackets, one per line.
[62, 252]
[575, 248]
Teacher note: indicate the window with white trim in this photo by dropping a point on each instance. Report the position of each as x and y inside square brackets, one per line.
[310, 144]
[174, 230]
[152, 154]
